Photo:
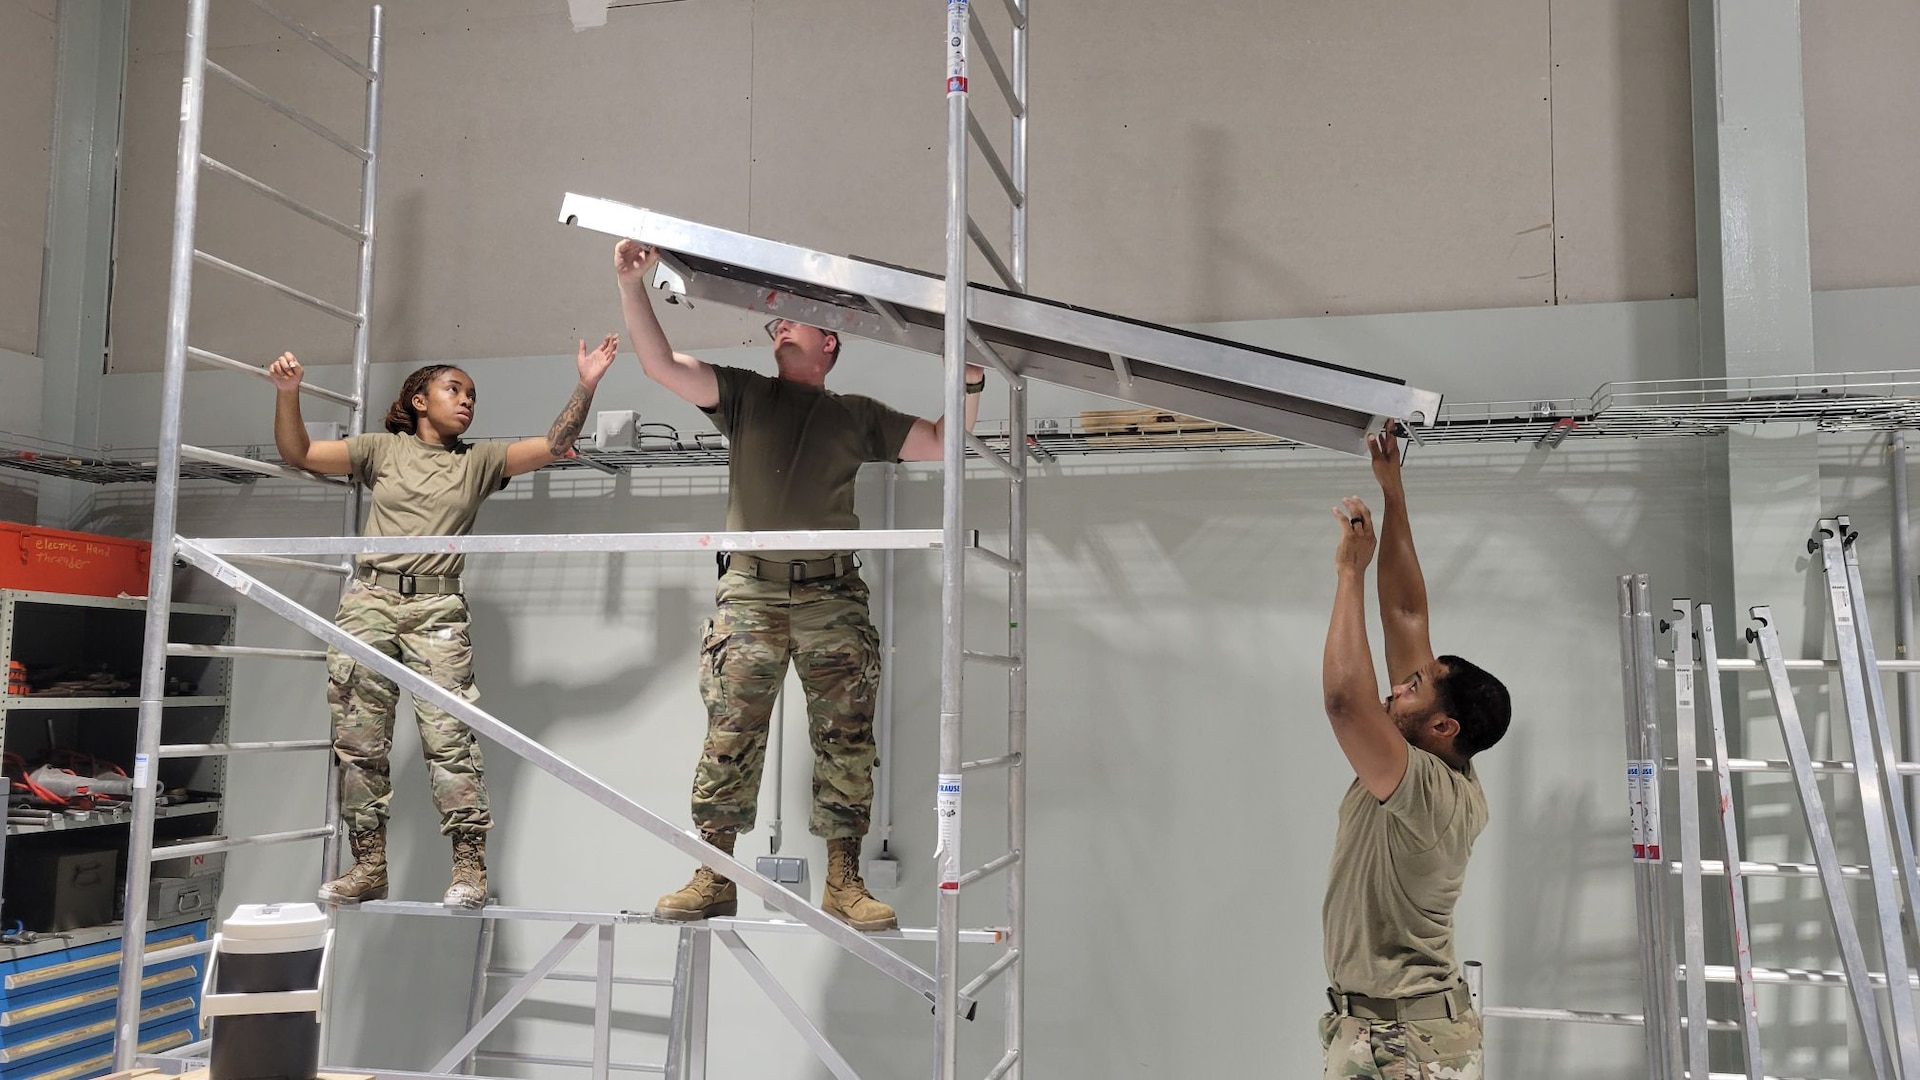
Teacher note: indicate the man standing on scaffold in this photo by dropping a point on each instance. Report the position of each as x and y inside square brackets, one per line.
[794, 450]
[1408, 822]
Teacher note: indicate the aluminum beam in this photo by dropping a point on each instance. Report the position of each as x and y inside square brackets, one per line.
[1290, 396]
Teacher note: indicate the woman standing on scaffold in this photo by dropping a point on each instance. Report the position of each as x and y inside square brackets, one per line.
[425, 482]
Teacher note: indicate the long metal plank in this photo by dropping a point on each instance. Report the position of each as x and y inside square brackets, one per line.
[1652, 969]
[1730, 843]
[515, 742]
[1669, 1008]
[821, 540]
[1281, 394]
[1893, 918]
[1840, 909]
[1904, 856]
[1692, 903]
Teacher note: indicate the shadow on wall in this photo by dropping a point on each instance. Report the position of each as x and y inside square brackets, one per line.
[1184, 785]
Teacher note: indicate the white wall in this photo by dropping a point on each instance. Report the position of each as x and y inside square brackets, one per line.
[26, 131]
[1183, 781]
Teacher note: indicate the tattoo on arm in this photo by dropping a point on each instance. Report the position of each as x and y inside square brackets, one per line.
[566, 426]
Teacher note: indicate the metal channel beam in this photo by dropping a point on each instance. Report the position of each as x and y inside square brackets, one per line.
[514, 742]
[1277, 393]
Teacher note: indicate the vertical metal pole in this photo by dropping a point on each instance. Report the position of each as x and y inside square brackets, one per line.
[676, 1061]
[697, 988]
[369, 196]
[1882, 861]
[477, 999]
[952, 557]
[1883, 737]
[888, 589]
[166, 504]
[603, 1004]
[1730, 840]
[1643, 867]
[1019, 166]
[1017, 548]
[1793, 736]
[778, 735]
[1651, 756]
[1693, 915]
[357, 415]
[1903, 614]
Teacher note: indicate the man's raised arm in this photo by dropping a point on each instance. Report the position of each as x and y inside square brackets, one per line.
[1403, 589]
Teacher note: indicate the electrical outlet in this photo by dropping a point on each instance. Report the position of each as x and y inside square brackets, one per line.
[616, 429]
[788, 870]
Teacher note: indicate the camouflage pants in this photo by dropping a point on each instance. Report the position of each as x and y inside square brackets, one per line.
[823, 629]
[1360, 1049]
[429, 635]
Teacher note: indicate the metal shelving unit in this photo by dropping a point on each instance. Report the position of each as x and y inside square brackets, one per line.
[39, 627]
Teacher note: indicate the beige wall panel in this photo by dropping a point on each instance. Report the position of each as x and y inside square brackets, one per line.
[1237, 159]
[1862, 61]
[487, 124]
[1253, 159]
[27, 55]
[1623, 151]
[849, 128]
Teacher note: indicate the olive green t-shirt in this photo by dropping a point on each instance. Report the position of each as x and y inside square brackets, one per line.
[420, 489]
[1398, 867]
[793, 453]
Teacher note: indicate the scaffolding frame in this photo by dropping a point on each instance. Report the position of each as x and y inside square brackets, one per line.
[217, 559]
[172, 454]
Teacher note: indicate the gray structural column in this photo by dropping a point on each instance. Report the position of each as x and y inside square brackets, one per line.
[1756, 295]
[1762, 483]
[90, 82]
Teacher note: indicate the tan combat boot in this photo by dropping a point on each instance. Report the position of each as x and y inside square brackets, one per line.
[367, 879]
[846, 897]
[708, 894]
[469, 887]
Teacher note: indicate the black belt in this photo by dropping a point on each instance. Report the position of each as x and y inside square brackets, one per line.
[797, 571]
[1449, 1004]
[412, 584]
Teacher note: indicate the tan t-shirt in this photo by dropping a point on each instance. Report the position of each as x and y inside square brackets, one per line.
[793, 453]
[1398, 867]
[420, 489]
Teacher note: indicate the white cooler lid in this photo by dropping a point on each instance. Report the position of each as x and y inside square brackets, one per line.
[266, 928]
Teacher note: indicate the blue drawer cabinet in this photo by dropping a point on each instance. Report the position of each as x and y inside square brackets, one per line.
[96, 1059]
[60, 1003]
[57, 1008]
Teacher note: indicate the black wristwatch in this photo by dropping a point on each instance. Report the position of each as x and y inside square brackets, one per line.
[977, 387]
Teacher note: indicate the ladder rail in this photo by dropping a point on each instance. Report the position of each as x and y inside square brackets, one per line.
[1893, 918]
[1692, 908]
[1749, 1023]
[1649, 743]
[1813, 811]
[1883, 736]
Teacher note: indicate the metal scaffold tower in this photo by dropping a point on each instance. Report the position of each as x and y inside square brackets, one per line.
[1285, 397]
[185, 255]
